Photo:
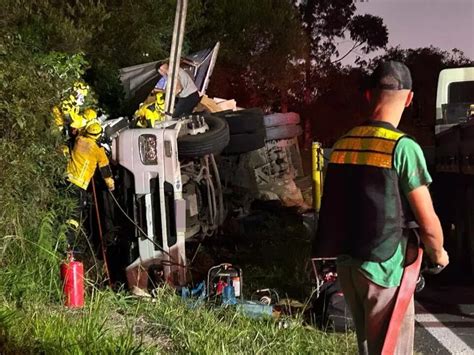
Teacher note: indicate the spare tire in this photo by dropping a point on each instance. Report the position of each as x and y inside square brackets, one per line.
[283, 132]
[243, 121]
[281, 119]
[211, 142]
[245, 142]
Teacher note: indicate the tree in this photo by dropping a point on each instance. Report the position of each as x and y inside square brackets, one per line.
[262, 44]
[341, 104]
[326, 22]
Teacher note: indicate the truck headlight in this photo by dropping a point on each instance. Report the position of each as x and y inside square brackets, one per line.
[147, 148]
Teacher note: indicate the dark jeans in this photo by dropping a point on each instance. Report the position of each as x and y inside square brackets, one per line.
[75, 219]
[185, 105]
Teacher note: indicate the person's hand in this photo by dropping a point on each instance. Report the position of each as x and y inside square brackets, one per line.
[438, 257]
[110, 184]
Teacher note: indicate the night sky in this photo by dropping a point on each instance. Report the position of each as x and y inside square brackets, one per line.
[446, 24]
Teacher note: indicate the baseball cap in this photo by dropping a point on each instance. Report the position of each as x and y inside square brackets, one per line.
[391, 75]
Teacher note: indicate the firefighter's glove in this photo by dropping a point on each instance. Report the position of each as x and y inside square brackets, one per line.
[110, 183]
[65, 150]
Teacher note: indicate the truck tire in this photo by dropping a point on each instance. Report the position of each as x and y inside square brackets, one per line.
[245, 142]
[210, 142]
[283, 132]
[281, 119]
[243, 121]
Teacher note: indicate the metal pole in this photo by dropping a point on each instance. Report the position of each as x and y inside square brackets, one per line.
[177, 250]
[175, 56]
[101, 238]
[318, 166]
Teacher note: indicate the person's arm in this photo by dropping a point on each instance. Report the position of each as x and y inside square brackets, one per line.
[179, 86]
[431, 232]
[414, 179]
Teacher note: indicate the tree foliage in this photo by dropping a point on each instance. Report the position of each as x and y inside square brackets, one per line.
[328, 22]
[341, 104]
[262, 45]
[274, 53]
[41, 56]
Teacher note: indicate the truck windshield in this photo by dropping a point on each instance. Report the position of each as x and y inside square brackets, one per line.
[461, 92]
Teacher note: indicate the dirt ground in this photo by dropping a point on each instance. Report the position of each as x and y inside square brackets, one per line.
[270, 245]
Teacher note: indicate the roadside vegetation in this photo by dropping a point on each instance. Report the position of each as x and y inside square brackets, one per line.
[119, 324]
[45, 46]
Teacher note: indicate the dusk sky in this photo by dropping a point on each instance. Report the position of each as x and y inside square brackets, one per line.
[446, 24]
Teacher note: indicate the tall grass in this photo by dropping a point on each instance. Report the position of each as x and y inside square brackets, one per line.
[43, 328]
[225, 331]
[116, 323]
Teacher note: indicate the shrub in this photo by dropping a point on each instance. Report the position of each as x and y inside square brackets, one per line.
[32, 166]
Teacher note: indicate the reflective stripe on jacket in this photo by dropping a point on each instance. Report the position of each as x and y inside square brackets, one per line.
[85, 157]
[367, 145]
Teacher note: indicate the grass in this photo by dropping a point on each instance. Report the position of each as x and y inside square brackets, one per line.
[33, 321]
[51, 329]
[119, 324]
[225, 331]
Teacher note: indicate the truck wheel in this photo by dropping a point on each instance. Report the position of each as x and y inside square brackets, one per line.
[283, 132]
[211, 142]
[245, 142]
[243, 121]
[281, 119]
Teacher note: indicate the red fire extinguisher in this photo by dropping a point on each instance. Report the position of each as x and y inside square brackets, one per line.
[72, 274]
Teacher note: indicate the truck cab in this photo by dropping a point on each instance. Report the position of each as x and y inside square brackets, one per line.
[453, 190]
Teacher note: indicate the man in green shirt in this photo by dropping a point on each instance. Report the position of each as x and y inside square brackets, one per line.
[376, 184]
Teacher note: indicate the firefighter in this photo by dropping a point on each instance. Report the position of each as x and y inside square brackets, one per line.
[149, 113]
[69, 111]
[86, 156]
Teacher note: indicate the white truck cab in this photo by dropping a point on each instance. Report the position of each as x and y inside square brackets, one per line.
[454, 125]
[453, 187]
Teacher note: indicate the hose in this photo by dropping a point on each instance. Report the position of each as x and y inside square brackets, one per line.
[163, 262]
[99, 226]
[219, 189]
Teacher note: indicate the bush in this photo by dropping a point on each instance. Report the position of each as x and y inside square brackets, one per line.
[32, 166]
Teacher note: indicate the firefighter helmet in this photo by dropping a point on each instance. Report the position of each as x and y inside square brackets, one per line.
[78, 122]
[94, 130]
[90, 114]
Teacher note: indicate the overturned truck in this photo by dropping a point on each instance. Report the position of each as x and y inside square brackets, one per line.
[178, 180]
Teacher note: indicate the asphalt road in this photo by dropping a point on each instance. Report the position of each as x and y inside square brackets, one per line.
[445, 319]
